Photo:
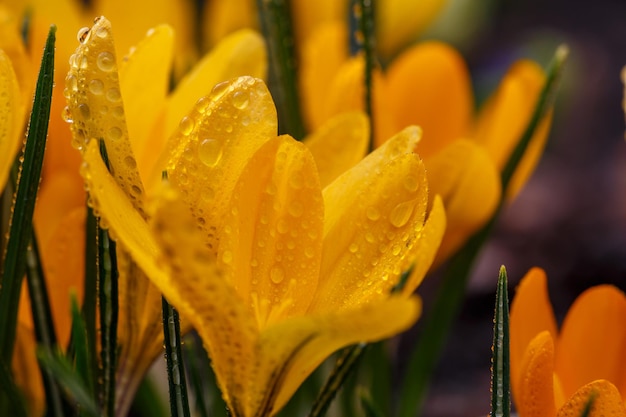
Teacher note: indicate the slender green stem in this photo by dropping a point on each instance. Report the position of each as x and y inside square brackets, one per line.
[21, 227]
[500, 362]
[275, 17]
[90, 292]
[179, 405]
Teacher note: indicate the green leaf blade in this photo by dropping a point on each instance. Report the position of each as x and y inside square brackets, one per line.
[500, 362]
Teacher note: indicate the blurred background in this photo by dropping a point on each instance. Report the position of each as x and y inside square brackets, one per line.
[570, 219]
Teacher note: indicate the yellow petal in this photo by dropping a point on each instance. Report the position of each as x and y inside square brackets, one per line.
[202, 294]
[531, 313]
[221, 18]
[535, 394]
[592, 343]
[133, 19]
[607, 401]
[308, 16]
[399, 22]
[12, 45]
[464, 176]
[144, 83]
[95, 105]
[505, 116]
[427, 245]
[339, 144]
[374, 214]
[10, 117]
[241, 53]
[429, 86]
[322, 56]
[272, 237]
[215, 142]
[308, 340]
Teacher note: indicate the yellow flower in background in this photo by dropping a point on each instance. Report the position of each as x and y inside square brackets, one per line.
[274, 274]
[554, 372]
[429, 85]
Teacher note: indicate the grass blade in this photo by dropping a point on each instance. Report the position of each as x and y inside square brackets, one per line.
[21, 227]
[500, 362]
[82, 349]
[90, 292]
[179, 405]
[11, 401]
[275, 18]
[439, 319]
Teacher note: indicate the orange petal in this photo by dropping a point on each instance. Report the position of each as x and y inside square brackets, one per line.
[531, 313]
[592, 343]
[214, 144]
[374, 215]
[10, 117]
[429, 86]
[464, 176]
[607, 401]
[339, 144]
[308, 16]
[534, 396]
[221, 18]
[26, 371]
[272, 237]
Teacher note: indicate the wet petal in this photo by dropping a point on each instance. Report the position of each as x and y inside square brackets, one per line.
[26, 371]
[531, 314]
[144, 82]
[399, 22]
[12, 45]
[429, 86]
[221, 18]
[95, 105]
[339, 144]
[464, 176]
[308, 16]
[607, 401]
[535, 394]
[203, 295]
[11, 117]
[427, 245]
[317, 336]
[504, 118]
[592, 342]
[215, 142]
[272, 236]
[374, 214]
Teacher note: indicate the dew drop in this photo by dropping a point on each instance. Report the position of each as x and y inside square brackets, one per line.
[130, 162]
[395, 249]
[411, 183]
[67, 115]
[186, 125]
[71, 82]
[106, 61]
[401, 214]
[96, 86]
[296, 209]
[241, 99]
[114, 133]
[227, 257]
[254, 263]
[210, 152]
[202, 104]
[113, 95]
[218, 90]
[372, 213]
[369, 237]
[102, 32]
[309, 252]
[83, 34]
[207, 193]
[82, 62]
[277, 274]
[135, 190]
[282, 226]
[84, 110]
[353, 248]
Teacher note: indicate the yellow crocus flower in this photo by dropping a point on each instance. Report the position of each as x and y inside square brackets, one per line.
[428, 85]
[553, 373]
[273, 273]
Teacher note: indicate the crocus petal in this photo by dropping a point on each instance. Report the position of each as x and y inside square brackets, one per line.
[144, 82]
[399, 22]
[505, 116]
[323, 54]
[95, 105]
[427, 245]
[27, 372]
[203, 296]
[215, 142]
[314, 337]
[12, 45]
[429, 86]
[535, 393]
[531, 314]
[339, 144]
[133, 19]
[11, 114]
[241, 53]
[308, 16]
[469, 184]
[221, 18]
[374, 214]
[272, 237]
[607, 401]
[592, 340]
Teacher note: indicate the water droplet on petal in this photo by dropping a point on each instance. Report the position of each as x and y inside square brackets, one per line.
[83, 35]
[210, 152]
[67, 115]
[113, 95]
[227, 257]
[353, 248]
[102, 32]
[219, 90]
[106, 61]
[114, 133]
[241, 99]
[401, 214]
[186, 125]
[277, 274]
[96, 86]
[71, 82]
[84, 110]
[411, 183]
[372, 213]
[130, 162]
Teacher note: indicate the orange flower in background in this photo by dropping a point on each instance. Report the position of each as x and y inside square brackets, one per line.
[554, 372]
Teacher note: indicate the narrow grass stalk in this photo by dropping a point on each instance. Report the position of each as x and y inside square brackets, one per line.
[179, 404]
[500, 360]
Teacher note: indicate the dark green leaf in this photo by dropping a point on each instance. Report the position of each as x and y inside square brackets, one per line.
[148, 402]
[500, 362]
[179, 405]
[368, 404]
[82, 349]
[90, 292]
[11, 400]
[21, 227]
